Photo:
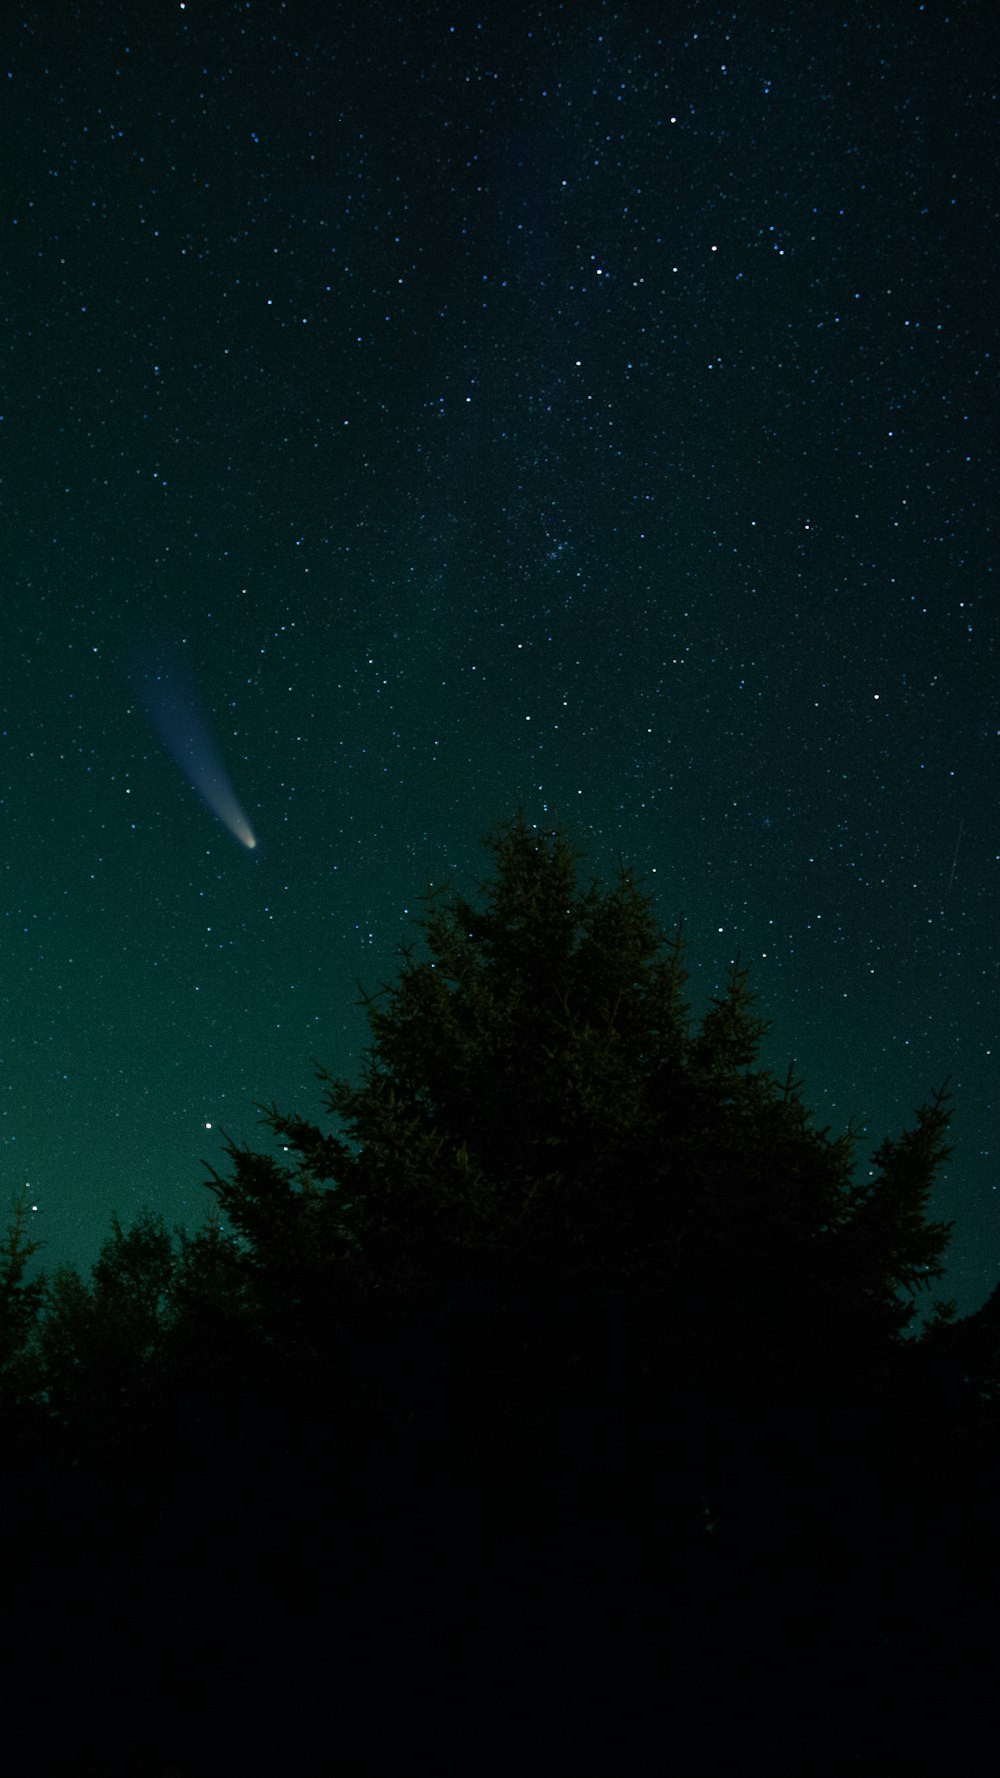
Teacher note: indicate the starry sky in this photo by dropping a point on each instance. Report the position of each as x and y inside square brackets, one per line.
[585, 407]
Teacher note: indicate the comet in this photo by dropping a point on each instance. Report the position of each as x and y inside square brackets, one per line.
[167, 692]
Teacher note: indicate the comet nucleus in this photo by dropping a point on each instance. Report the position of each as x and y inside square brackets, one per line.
[165, 687]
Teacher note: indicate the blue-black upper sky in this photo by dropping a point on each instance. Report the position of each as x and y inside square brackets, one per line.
[582, 407]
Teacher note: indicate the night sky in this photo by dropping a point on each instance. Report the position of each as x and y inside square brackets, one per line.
[436, 411]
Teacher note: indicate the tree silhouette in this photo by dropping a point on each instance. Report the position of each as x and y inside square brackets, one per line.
[98, 1348]
[538, 1100]
[21, 1299]
[625, 1318]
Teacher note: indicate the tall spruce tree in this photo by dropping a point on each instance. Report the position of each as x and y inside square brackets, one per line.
[539, 1102]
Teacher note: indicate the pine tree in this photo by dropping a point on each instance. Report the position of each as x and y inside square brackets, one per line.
[21, 1296]
[97, 1345]
[539, 1101]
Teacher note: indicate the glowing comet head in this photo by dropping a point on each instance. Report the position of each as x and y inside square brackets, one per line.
[243, 832]
[168, 695]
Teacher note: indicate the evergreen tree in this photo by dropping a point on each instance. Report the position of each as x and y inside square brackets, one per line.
[21, 1296]
[538, 1100]
[97, 1346]
[627, 1321]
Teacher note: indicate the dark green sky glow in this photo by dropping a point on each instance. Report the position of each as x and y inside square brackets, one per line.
[541, 407]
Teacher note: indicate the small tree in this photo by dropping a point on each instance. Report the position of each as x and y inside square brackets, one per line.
[21, 1297]
[97, 1345]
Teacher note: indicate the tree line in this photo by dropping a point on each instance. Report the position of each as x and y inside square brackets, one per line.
[559, 1395]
